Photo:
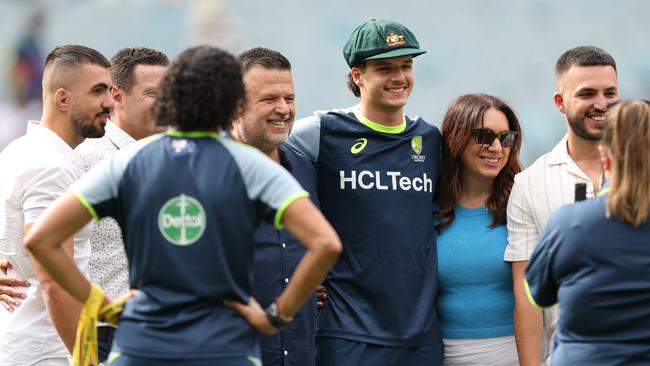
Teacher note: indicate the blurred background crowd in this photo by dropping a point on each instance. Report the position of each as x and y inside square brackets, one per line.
[500, 47]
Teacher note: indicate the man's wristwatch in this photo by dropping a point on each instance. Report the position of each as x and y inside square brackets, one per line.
[275, 318]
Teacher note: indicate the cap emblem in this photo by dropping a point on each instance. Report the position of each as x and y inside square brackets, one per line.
[393, 39]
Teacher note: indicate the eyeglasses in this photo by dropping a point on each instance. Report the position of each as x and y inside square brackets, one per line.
[484, 136]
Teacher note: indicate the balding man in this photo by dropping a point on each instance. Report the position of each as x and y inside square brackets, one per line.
[36, 169]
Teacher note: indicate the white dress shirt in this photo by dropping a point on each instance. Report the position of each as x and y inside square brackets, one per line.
[36, 169]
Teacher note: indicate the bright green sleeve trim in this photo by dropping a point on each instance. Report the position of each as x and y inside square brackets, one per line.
[377, 126]
[113, 356]
[530, 296]
[87, 205]
[280, 212]
[193, 134]
[254, 360]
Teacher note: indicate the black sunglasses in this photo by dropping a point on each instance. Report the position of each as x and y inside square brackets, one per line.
[484, 136]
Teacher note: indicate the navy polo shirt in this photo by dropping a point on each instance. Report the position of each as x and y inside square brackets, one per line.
[598, 269]
[277, 254]
[188, 205]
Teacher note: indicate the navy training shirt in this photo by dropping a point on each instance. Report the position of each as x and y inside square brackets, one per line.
[188, 205]
[277, 254]
[376, 187]
[598, 269]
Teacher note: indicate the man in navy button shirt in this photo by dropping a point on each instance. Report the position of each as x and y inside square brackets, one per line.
[265, 124]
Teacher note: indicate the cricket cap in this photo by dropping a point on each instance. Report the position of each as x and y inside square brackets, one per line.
[377, 39]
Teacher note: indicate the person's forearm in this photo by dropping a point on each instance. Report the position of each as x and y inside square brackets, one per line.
[528, 334]
[308, 275]
[50, 243]
[309, 226]
[63, 309]
[528, 320]
[70, 279]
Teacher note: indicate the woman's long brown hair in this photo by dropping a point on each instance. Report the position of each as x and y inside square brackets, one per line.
[462, 117]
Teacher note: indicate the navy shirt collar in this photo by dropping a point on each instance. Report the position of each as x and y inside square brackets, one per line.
[284, 159]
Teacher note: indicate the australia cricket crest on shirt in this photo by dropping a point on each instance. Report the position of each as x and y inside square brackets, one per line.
[416, 145]
[181, 220]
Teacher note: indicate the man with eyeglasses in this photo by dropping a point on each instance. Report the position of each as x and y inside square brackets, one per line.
[587, 85]
[372, 158]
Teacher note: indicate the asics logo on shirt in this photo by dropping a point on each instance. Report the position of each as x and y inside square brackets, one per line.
[384, 181]
[360, 145]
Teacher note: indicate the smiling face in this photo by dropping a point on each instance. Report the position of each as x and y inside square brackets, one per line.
[270, 109]
[135, 107]
[385, 83]
[92, 102]
[584, 95]
[485, 162]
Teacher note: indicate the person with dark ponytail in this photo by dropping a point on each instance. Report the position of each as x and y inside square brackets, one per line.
[593, 256]
[480, 157]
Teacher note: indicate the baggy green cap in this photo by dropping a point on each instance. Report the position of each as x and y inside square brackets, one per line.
[378, 39]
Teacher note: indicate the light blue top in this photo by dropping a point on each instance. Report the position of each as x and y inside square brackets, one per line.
[475, 298]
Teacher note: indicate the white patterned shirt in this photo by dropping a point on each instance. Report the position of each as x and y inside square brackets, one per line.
[538, 191]
[108, 263]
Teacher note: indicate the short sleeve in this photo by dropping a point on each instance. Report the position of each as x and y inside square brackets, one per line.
[305, 136]
[49, 184]
[265, 180]
[541, 280]
[522, 229]
[98, 189]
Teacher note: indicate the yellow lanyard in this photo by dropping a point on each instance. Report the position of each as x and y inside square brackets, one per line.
[85, 346]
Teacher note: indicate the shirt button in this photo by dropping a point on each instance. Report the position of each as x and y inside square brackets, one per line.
[286, 352]
[286, 280]
[284, 245]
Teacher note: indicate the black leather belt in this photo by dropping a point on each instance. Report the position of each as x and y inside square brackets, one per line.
[105, 333]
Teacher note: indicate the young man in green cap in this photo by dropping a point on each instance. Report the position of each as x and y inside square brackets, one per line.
[377, 170]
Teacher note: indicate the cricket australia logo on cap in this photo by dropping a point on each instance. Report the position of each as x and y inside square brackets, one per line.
[182, 220]
[416, 145]
[393, 39]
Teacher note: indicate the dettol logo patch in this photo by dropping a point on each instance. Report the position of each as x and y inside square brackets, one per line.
[182, 220]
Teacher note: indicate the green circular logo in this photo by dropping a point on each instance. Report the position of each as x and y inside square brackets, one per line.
[182, 220]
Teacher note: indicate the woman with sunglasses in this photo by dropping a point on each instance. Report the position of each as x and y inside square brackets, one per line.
[482, 138]
[594, 257]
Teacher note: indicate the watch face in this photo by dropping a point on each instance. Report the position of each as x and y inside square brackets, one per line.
[273, 309]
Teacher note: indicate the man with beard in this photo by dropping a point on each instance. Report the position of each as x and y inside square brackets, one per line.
[587, 84]
[136, 73]
[36, 169]
[265, 124]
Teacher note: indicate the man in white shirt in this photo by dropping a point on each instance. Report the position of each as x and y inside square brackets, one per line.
[586, 85]
[136, 73]
[36, 169]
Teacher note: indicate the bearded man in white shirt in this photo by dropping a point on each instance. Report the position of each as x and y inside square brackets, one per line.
[587, 85]
[36, 169]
